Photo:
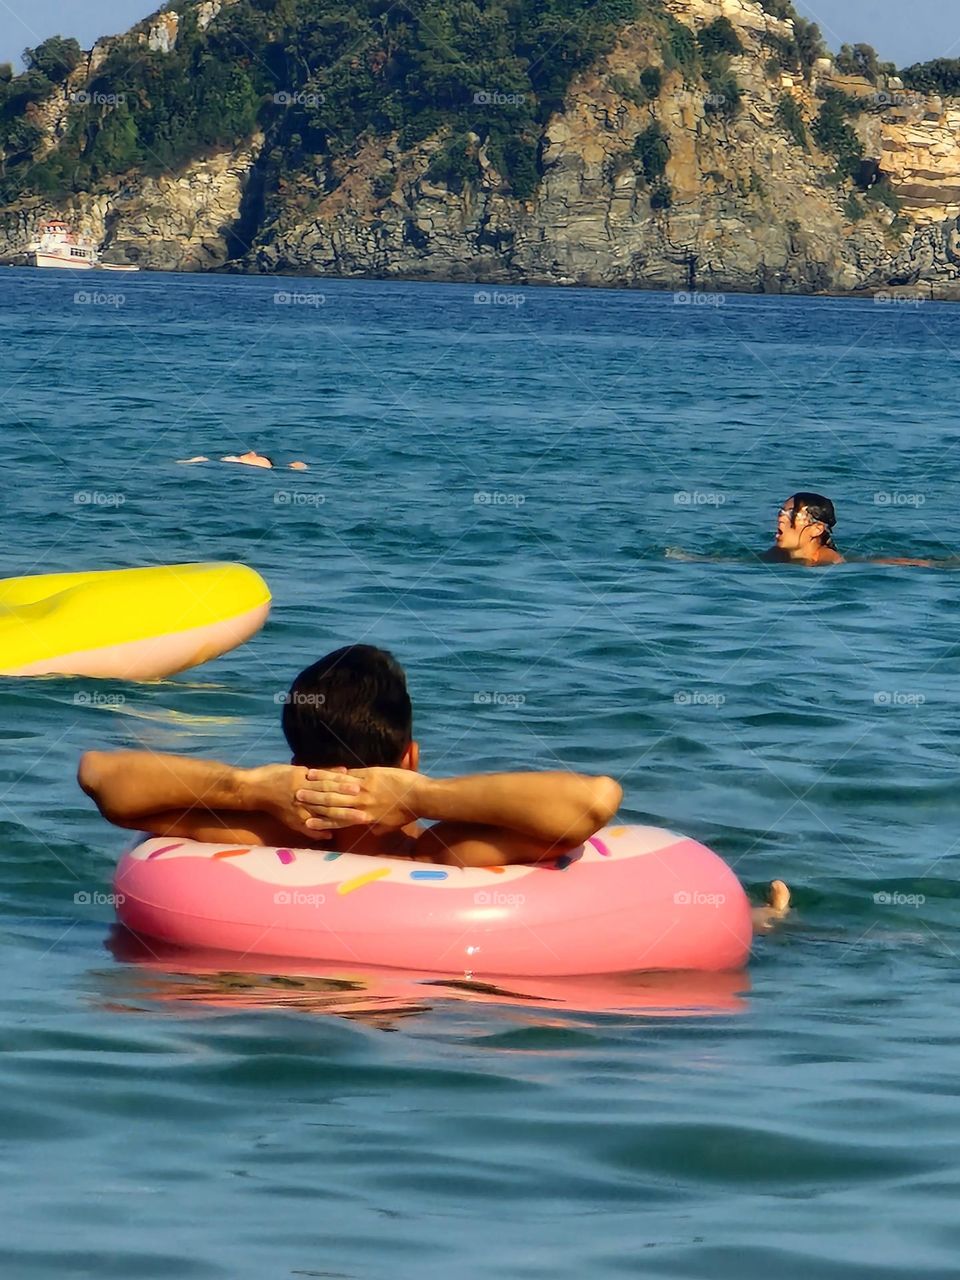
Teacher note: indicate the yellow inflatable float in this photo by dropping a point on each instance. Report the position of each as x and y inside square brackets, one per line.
[128, 624]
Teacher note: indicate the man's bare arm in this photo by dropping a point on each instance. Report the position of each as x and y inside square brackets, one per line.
[556, 808]
[484, 820]
[197, 799]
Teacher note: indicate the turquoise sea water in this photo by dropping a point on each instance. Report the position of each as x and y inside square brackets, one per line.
[512, 497]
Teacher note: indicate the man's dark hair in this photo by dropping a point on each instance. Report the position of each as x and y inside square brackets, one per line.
[817, 508]
[350, 708]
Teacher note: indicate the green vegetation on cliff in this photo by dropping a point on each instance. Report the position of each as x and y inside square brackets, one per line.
[790, 119]
[317, 76]
[942, 75]
[55, 58]
[320, 77]
[718, 42]
[862, 60]
[778, 8]
[833, 135]
[652, 151]
[719, 37]
[800, 52]
[48, 63]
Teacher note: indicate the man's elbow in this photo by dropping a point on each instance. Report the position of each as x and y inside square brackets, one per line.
[88, 773]
[93, 777]
[606, 794]
[601, 804]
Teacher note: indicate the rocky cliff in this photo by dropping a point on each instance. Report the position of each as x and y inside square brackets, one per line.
[751, 205]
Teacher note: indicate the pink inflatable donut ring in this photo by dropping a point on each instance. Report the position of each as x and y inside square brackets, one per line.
[630, 898]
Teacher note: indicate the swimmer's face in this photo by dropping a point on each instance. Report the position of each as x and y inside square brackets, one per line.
[795, 527]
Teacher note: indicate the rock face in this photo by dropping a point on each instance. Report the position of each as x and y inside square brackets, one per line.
[921, 153]
[751, 20]
[750, 209]
[162, 36]
[176, 223]
[206, 12]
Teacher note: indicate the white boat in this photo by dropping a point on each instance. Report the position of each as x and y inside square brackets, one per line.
[58, 246]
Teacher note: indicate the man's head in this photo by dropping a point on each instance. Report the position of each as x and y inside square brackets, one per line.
[351, 708]
[804, 523]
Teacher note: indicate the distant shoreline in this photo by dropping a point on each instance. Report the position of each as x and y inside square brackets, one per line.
[902, 294]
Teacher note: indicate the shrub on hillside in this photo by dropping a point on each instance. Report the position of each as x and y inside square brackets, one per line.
[942, 75]
[778, 8]
[651, 78]
[790, 119]
[809, 42]
[719, 36]
[55, 58]
[454, 164]
[652, 149]
[725, 94]
[833, 135]
[858, 60]
[680, 51]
